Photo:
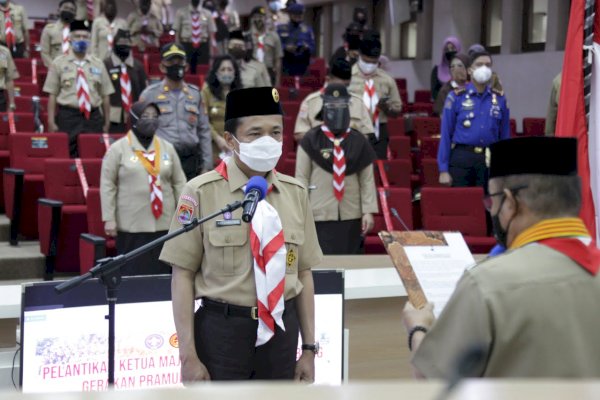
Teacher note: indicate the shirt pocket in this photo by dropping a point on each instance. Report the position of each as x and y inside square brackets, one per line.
[294, 239]
[229, 253]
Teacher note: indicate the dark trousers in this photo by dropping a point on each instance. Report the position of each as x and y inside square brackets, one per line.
[190, 161]
[18, 51]
[466, 167]
[380, 145]
[273, 76]
[118, 127]
[340, 237]
[146, 264]
[195, 56]
[73, 122]
[226, 345]
[2, 101]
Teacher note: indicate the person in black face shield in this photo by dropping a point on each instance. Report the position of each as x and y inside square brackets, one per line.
[335, 162]
[125, 73]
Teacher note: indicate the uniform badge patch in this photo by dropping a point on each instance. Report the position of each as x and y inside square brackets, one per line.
[185, 197]
[291, 258]
[184, 214]
[275, 94]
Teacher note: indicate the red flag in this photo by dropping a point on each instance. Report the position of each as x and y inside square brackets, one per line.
[571, 120]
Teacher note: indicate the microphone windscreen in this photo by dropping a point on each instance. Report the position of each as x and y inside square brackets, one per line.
[259, 183]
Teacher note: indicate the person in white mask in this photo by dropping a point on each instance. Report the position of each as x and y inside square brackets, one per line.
[254, 302]
[474, 117]
[377, 89]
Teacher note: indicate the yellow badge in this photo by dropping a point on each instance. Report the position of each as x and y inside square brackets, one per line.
[133, 158]
[115, 76]
[326, 155]
[275, 94]
[291, 258]
[336, 142]
[336, 93]
[494, 100]
[161, 97]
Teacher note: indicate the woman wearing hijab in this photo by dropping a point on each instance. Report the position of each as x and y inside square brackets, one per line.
[441, 72]
[459, 77]
[140, 185]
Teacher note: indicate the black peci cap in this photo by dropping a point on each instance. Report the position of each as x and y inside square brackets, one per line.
[79, 25]
[370, 45]
[252, 101]
[239, 35]
[340, 68]
[558, 156]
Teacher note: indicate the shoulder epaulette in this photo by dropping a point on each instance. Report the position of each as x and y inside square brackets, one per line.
[498, 92]
[196, 88]
[289, 179]
[203, 179]
[459, 91]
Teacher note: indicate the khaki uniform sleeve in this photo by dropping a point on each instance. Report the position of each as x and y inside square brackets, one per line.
[107, 86]
[464, 323]
[186, 250]
[302, 122]
[368, 200]
[309, 254]
[264, 79]
[278, 48]
[303, 166]
[46, 46]
[25, 22]
[212, 27]
[395, 100]
[95, 44]
[52, 84]
[177, 23]
[12, 72]
[109, 183]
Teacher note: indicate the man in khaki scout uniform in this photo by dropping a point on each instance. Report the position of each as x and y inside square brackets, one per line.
[145, 27]
[266, 44]
[382, 99]
[336, 162]
[55, 35]
[19, 41]
[196, 41]
[78, 110]
[8, 74]
[252, 72]
[183, 121]
[310, 114]
[227, 338]
[85, 6]
[105, 28]
[533, 311]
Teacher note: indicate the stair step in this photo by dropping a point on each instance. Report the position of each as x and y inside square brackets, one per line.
[4, 228]
[21, 262]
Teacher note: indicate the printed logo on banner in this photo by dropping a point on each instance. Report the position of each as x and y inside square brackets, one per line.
[154, 341]
[174, 341]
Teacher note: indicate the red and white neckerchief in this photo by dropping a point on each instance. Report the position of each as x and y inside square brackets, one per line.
[83, 92]
[66, 44]
[9, 31]
[196, 29]
[339, 162]
[125, 84]
[89, 6]
[151, 162]
[370, 98]
[260, 48]
[110, 37]
[267, 244]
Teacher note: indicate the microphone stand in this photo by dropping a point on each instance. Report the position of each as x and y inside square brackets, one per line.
[109, 271]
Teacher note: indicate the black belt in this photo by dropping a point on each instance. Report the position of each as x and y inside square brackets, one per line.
[229, 310]
[61, 107]
[474, 149]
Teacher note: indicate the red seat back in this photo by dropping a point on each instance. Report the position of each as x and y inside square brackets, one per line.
[423, 96]
[28, 151]
[395, 126]
[429, 172]
[453, 209]
[534, 126]
[400, 147]
[397, 171]
[24, 104]
[91, 145]
[26, 89]
[94, 213]
[429, 147]
[23, 122]
[401, 83]
[401, 200]
[513, 127]
[291, 108]
[61, 180]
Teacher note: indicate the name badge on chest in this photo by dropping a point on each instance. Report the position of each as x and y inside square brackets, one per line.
[228, 222]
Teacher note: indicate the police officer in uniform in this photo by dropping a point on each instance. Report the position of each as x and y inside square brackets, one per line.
[183, 121]
[343, 205]
[215, 262]
[184, 30]
[514, 310]
[266, 44]
[136, 75]
[298, 42]
[252, 72]
[77, 112]
[52, 40]
[474, 117]
[145, 27]
[19, 47]
[310, 115]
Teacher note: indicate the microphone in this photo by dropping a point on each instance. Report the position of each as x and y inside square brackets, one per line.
[395, 214]
[468, 365]
[256, 190]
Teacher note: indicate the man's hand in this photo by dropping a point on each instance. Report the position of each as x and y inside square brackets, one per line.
[445, 179]
[383, 104]
[367, 223]
[412, 317]
[192, 370]
[52, 127]
[110, 228]
[305, 367]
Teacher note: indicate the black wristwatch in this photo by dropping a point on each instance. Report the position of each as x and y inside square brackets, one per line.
[312, 347]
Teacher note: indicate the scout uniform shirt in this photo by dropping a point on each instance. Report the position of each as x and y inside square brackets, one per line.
[272, 46]
[63, 74]
[125, 190]
[8, 69]
[474, 119]
[215, 110]
[82, 14]
[137, 77]
[18, 16]
[183, 121]
[312, 105]
[385, 86]
[102, 31]
[183, 24]
[51, 41]
[136, 22]
[534, 310]
[254, 74]
[219, 250]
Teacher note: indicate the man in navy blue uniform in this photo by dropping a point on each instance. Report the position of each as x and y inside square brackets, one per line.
[474, 117]
[298, 42]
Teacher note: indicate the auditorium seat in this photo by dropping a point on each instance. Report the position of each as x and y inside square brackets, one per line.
[25, 103]
[286, 166]
[26, 89]
[429, 172]
[425, 109]
[94, 244]
[93, 145]
[291, 94]
[457, 209]
[400, 147]
[291, 108]
[4, 163]
[62, 213]
[396, 127]
[196, 80]
[25, 68]
[430, 146]
[399, 199]
[23, 122]
[397, 173]
[423, 96]
[24, 180]
[404, 97]
[534, 126]
[513, 128]
[401, 83]
[425, 127]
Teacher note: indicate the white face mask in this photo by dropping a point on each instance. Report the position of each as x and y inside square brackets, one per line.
[261, 154]
[482, 74]
[365, 67]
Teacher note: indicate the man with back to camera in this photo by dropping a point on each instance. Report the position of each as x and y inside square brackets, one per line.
[237, 334]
